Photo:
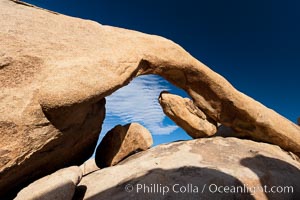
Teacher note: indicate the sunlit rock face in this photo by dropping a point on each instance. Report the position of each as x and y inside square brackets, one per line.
[186, 115]
[121, 142]
[59, 185]
[213, 168]
[56, 70]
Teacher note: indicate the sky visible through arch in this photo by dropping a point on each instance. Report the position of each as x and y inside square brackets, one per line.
[254, 44]
[138, 102]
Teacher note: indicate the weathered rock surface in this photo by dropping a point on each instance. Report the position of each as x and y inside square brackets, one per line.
[55, 71]
[186, 115]
[59, 185]
[88, 167]
[201, 163]
[299, 121]
[34, 143]
[120, 142]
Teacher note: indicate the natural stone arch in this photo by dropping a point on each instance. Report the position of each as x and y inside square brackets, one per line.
[211, 92]
[56, 71]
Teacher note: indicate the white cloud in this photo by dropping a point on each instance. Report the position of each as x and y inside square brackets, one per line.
[138, 102]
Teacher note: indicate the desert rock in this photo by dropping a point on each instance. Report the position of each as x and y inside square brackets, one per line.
[122, 141]
[186, 115]
[33, 143]
[88, 167]
[56, 70]
[200, 165]
[59, 185]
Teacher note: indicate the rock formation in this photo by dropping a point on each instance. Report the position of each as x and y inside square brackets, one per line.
[186, 115]
[32, 143]
[88, 167]
[299, 121]
[121, 142]
[196, 164]
[59, 185]
[56, 70]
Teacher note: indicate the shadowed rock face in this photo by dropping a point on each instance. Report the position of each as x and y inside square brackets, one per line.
[55, 71]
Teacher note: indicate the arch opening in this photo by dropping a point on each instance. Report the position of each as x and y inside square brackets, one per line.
[138, 102]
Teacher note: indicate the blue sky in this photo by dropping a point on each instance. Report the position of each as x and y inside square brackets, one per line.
[253, 44]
